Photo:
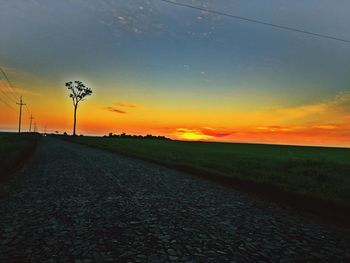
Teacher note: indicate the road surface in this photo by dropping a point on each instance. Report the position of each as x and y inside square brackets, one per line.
[78, 204]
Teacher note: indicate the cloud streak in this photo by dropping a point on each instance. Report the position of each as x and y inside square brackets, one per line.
[126, 105]
[215, 133]
[111, 109]
[338, 106]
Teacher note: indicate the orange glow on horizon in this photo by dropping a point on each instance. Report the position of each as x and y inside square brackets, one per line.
[190, 135]
[323, 123]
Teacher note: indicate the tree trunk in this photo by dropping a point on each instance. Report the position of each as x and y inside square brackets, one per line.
[75, 118]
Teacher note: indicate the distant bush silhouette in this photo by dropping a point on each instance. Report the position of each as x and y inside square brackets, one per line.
[78, 91]
[148, 136]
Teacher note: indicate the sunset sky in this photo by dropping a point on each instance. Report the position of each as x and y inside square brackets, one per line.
[187, 74]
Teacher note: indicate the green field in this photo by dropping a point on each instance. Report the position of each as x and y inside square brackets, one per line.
[14, 149]
[318, 172]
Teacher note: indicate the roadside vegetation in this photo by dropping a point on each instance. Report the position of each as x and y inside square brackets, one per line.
[317, 172]
[14, 150]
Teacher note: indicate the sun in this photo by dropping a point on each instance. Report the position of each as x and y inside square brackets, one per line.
[191, 135]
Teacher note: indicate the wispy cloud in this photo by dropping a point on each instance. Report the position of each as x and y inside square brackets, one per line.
[215, 132]
[5, 88]
[338, 106]
[15, 75]
[326, 126]
[126, 105]
[273, 128]
[8, 69]
[111, 109]
[141, 17]
[115, 107]
[326, 122]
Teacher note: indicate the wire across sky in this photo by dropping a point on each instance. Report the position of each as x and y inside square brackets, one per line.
[10, 95]
[319, 35]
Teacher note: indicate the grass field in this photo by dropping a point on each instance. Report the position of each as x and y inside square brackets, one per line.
[317, 172]
[14, 149]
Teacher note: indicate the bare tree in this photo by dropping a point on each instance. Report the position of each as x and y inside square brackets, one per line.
[78, 91]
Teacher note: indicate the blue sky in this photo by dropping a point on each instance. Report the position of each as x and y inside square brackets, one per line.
[166, 51]
[138, 39]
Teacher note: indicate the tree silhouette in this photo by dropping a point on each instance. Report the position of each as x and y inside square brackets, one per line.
[78, 91]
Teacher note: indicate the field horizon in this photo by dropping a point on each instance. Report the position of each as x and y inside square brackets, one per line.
[319, 172]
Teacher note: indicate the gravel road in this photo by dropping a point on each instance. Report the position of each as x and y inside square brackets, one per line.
[78, 204]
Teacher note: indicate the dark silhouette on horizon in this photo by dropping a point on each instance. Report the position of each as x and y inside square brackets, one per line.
[78, 92]
[148, 136]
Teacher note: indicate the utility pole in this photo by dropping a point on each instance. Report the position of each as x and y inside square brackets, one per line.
[30, 125]
[20, 114]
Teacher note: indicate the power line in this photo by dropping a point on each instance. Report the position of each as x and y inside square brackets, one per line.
[258, 21]
[13, 90]
[7, 91]
[7, 104]
[14, 93]
[6, 94]
[28, 111]
[10, 84]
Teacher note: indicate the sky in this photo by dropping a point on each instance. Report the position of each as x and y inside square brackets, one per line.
[157, 68]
